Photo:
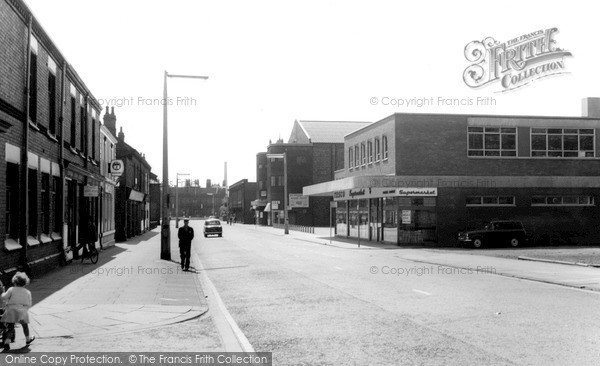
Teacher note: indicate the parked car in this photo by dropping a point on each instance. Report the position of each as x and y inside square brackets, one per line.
[495, 233]
[212, 227]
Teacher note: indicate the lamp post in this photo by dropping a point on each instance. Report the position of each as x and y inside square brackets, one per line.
[285, 189]
[177, 199]
[165, 240]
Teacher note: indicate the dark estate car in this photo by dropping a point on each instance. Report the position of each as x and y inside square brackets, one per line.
[495, 233]
[212, 227]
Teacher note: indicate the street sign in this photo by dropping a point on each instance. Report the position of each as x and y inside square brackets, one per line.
[117, 168]
[90, 191]
[333, 204]
[298, 200]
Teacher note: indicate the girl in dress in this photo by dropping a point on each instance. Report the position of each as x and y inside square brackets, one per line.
[18, 301]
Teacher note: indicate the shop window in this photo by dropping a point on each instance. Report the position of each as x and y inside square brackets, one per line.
[45, 206]
[390, 218]
[370, 151]
[384, 142]
[56, 204]
[351, 157]
[377, 149]
[562, 201]
[562, 143]
[12, 201]
[492, 141]
[33, 208]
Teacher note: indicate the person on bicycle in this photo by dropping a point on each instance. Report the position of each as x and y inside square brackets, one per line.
[89, 237]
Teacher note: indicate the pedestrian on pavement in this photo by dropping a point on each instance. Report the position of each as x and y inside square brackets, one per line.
[185, 235]
[18, 302]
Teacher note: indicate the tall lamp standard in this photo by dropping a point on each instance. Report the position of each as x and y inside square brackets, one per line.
[285, 189]
[177, 198]
[165, 239]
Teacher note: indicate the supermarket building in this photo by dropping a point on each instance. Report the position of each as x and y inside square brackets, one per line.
[421, 178]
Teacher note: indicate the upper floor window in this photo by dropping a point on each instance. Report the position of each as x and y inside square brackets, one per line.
[562, 142]
[363, 154]
[351, 157]
[562, 201]
[490, 200]
[384, 142]
[492, 141]
[356, 156]
[33, 54]
[52, 96]
[377, 149]
[370, 151]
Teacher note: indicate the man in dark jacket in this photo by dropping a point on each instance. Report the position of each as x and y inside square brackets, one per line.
[185, 235]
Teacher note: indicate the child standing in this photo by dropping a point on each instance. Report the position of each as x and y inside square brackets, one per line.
[18, 302]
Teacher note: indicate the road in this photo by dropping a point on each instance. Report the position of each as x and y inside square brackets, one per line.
[310, 303]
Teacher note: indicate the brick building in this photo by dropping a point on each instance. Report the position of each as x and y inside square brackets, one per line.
[314, 151]
[196, 201]
[241, 195]
[108, 153]
[421, 178]
[132, 214]
[48, 151]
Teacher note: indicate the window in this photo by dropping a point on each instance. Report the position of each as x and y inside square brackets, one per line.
[51, 96]
[73, 121]
[377, 149]
[363, 154]
[562, 201]
[33, 80]
[490, 201]
[351, 157]
[93, 152]
[12, 200]
[33, 209]
[370, 151]
[384, 141]
[562, 143]
[45, 207]
[82, 124]
[276, 180]
[492, 141]
[56, 204]
[356, 156]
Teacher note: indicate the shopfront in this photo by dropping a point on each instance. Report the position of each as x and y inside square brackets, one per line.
[393, 215]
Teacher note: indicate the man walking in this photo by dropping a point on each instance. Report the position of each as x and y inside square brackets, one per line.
[185, 235]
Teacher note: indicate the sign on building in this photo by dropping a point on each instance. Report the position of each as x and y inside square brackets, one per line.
[298, 201]
[90, 191]
[117, 168]
[406, 217]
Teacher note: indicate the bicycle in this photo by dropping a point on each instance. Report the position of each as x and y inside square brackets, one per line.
[92, 253]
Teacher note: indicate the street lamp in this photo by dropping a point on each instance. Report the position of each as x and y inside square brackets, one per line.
[177, 199]
[165, 240]
[285, 189]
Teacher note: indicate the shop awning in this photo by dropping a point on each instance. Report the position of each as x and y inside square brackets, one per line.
[268, 207]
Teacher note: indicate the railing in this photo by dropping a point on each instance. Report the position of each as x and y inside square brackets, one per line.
[304, 229]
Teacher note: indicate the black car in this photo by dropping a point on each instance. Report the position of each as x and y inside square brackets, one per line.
[212, 227]
[495, 233]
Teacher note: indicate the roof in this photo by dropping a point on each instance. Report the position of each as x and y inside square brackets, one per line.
[323, 131]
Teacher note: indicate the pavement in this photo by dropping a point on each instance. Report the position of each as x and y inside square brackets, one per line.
[129, 289]
[534, 269]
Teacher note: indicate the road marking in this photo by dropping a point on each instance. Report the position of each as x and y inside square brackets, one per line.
[337, 268]
[422, 292]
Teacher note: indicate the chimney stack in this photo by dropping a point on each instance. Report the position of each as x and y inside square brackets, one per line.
[121, 136]
[591, 107]
[110, 121]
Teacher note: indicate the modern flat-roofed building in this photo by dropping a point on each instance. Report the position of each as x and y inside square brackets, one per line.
[421, 178]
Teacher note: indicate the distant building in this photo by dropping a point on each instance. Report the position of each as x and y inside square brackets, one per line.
[241, 195]
[133, 205]
[108, 153]
[195, 201]
[155, 201]
[314, 151]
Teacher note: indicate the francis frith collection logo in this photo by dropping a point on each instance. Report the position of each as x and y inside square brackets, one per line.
[514, 63]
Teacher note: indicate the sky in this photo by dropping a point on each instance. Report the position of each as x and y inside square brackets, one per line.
[270, 63]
